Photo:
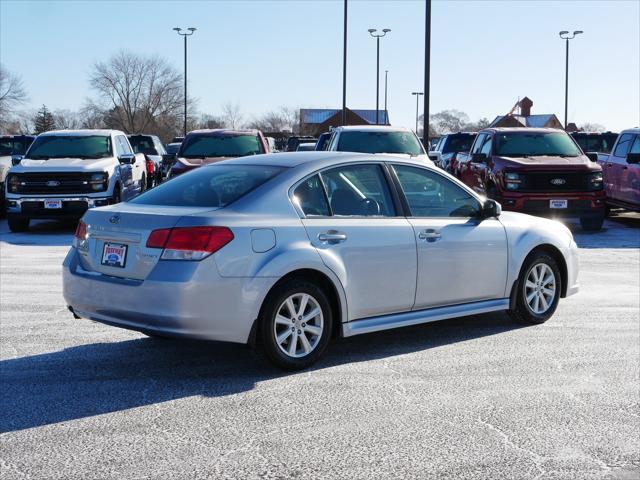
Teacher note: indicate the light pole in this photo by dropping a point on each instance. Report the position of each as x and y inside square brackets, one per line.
[565, 36]
[378, 36]
[427, 72]
[386, 114]
[185, 35]
[417, 94]
[344, 67]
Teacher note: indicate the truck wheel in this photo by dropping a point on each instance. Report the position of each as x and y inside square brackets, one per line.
[117, 195]
[295, 324]
[538, 290]
[143, 183]
[17, 225]
[591, 224]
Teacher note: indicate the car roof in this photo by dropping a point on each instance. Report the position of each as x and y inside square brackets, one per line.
[631, 130]
[371, 128]
[318, 159]
[214, 132]
[81, 133]
[522, 130]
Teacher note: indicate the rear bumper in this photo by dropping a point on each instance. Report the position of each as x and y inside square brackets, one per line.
[182, 299]
[588, 205]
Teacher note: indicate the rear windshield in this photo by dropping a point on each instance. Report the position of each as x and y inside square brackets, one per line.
[556, 144]
[379, 142]
[74, 146]
[212, 186]
[201, 146]
[602, 143]
[143, 144]
[458, 143]
[172, 148]
[11, 146]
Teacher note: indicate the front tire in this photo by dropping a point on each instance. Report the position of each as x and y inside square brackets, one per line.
[17, 225]
[296, 322]
[117, 195]
[538, 290]
[591, 224]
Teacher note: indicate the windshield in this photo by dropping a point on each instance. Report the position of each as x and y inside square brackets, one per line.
[556, 144]
[70, 146]
[142, 144]
[458, 143]
[379, 142]
[596, 143]
[11, 146]
[213, 186]
[201, 146]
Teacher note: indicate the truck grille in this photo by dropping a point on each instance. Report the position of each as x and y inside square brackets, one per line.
[554, 182]
[54, 183]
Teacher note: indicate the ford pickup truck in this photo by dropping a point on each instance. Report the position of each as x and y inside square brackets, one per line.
[622, 171]
[65, 172]
[540, 171]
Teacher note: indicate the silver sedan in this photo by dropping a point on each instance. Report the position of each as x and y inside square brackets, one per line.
[292, 250]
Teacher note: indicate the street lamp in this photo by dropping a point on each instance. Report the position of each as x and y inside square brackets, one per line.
[185, 35]
[386, 114]
[417, 94]
[566, 35]
[378, 36]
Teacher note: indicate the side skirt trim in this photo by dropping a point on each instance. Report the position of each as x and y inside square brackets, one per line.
[386, 322]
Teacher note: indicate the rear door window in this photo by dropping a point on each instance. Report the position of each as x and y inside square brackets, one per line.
[358, 190]
[623, 145]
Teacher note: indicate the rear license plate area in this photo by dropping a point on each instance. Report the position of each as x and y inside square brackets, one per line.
[114, 255]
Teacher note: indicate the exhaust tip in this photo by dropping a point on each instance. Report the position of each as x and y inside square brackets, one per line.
[75, 315]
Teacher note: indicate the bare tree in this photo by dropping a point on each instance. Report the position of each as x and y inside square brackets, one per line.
[67, 120]
[448, 121]
[231, 115]
[291, 117]
[135, 91]
[592, 127]
[12, 95]
[210, 121]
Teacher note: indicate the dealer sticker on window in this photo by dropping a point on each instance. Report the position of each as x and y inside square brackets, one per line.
[52, 203]
[558, 203]
[114, 255]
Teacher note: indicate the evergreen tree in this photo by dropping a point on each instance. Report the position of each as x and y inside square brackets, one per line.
[44, 120]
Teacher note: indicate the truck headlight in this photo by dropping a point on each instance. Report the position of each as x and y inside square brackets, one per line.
[596, 181]
[99, 181]
[512, 180]
[13, 183]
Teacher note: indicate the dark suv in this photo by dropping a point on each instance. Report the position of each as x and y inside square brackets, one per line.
[600, 142]
[540, 171]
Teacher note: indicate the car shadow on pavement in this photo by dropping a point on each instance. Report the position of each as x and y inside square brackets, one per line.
[99, 378]
[41, 232]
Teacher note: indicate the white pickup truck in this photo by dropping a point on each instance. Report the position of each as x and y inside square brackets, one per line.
[65, 172]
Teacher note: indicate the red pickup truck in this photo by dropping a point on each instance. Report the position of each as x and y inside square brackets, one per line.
[622, 171]
[540, 171]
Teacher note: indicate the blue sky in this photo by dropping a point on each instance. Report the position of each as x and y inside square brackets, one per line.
[263, 54]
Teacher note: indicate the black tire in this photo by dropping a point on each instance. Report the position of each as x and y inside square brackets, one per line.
[17, 225]
[524, 313]
[591, 224]
[143, 183]
[117, 195]
[273, 305]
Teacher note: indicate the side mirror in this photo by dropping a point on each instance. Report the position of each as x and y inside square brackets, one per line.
[593, 156]
[16, 159]
[479, 157]
[491, 209]
[127, 158]
[633, 158]
[433, 157]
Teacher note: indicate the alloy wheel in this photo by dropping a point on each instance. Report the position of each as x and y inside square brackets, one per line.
[298, 325]
[540, 288]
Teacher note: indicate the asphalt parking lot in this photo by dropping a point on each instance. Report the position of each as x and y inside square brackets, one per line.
[477, 397]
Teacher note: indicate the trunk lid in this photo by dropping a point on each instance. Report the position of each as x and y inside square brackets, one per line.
[117, 238]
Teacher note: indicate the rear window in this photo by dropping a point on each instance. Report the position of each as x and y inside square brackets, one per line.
[212, 186]
[458, 143]
[202, 146]
[379, 142]
[602, 143]
[12, 146]
[142, 144]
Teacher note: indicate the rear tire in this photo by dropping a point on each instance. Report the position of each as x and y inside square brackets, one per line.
[17, 225]
[591, 224]
[117, 195]
[538, 291]
[295, 324]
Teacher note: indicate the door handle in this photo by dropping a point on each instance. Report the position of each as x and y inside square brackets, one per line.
[332, 237]
[429, 235]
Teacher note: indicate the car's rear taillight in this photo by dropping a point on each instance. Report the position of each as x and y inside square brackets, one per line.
[189, 243]
[151, 167]
[81, 231]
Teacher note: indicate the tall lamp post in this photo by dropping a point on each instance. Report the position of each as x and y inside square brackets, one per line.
[417, 94]
[344, 67]
[386, 114]
[185, 35]
[427, 72]
[378, 36]
[566, 36]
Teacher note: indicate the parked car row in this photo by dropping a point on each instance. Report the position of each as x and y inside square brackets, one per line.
[545, 171]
